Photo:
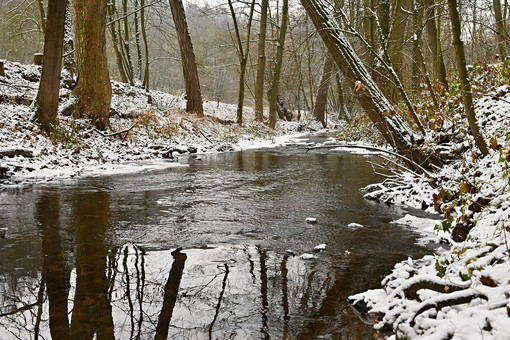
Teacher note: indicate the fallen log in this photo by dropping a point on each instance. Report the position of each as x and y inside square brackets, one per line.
[12, 152]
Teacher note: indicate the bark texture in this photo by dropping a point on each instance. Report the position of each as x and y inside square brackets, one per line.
[46, 105]
[93, 90]
[467, 95]
[189, 65]
[319, 109]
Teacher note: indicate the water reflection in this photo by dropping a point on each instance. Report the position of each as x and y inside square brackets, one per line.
[102, 260]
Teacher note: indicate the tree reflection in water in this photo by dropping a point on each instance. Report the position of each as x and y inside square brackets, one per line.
[126, 292]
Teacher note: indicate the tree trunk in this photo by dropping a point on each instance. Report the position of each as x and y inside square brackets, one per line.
[69, 63]
[115, 42]
[243, 56]
[463, 75]
[189, 65]
[40, 5]
[146, 75]
[434, 39]
[278, 65]
[392, 127]
[125, 43]
[343, 110]
[261, 64]
[322, 94]
[47, 97]
[93, 90]
[500, 28]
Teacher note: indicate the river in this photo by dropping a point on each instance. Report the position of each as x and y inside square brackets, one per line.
[208, 249]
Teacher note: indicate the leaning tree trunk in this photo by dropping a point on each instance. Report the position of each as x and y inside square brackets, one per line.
[467, 95]
[47, 98]
[322, 94]
[93, 90]
[189, 65]
[392, 127]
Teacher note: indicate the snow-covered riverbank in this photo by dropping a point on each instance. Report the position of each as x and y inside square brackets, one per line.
[462, 291]
[142, 136]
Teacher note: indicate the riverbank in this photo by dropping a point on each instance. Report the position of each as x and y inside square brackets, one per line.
[462, 291]
[141, 136]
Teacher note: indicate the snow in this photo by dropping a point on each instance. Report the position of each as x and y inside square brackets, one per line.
[462, 290]
[307, 256]
[158, 133]
[320, 247]
[354, 225]
[311, 220]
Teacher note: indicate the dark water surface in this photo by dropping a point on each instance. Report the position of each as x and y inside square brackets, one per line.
[100, 255]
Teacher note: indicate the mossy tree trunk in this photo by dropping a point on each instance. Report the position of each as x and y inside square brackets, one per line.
[467, 94]
[93, 90]
[46, 106]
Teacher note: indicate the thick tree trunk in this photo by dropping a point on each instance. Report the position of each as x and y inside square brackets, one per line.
[189, 65]
[261, 64]
[46, 105]
[463, 75]
[278, 65]
[392, 127]
[322, 94]
[93, 90]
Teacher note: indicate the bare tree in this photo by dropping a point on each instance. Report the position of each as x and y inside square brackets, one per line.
[278, 65]
[46, 103]
[93, 89]
[261, 63]
[463, 75]
[189, 65]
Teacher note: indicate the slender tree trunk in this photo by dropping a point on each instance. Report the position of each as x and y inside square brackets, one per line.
[189, 64]
[243, 56]
[463, 75]
[125, 43]
[322, 94]
[137, 41]
[42, 16]
[343, 111]
[115, 42]
[146, 75]
[46, 106]
[434, 39]
[500, 28]
[93, 90]
[261, 64]
[392, 127]
[278, 65]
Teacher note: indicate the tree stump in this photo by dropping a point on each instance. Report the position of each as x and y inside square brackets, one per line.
[38, 57]
[2, 69]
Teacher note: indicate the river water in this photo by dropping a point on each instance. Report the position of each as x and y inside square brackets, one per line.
[209, 249]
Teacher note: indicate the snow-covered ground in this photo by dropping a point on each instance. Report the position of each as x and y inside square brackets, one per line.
[463, 291]
[155, 134]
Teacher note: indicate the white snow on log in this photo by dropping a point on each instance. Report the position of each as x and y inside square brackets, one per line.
[354, 225]
[311, 220]
[320, 247]
[307, 256]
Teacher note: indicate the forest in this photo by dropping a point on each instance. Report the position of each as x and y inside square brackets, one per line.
[101, 100]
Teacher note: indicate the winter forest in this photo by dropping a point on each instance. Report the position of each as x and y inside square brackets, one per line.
[254, 169]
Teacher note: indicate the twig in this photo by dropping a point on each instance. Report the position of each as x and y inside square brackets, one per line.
[373, 148]
[206, 137]
[115, 133]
